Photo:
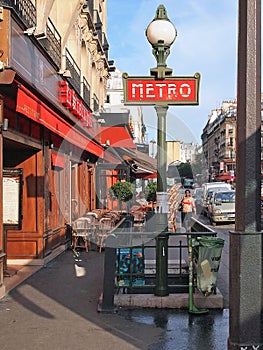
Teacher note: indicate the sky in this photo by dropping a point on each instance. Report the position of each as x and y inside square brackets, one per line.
[207, 33]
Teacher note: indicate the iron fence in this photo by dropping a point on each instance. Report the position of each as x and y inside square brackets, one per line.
[136, 261]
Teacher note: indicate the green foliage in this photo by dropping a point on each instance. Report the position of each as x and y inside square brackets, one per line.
[185, 170]
[150, 192]
[123, 191]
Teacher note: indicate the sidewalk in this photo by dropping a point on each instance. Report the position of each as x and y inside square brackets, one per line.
[56, 308]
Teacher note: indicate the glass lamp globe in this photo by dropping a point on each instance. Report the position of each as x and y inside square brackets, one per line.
[161, 30]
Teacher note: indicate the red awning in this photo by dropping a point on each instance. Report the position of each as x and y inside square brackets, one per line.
[29, 105]
[147, 176]
[224, 178]
[57, 160]
[117, 136]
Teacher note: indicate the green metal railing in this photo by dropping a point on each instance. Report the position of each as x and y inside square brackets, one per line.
[136, 272]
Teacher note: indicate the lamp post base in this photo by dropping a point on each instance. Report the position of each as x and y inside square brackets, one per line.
[161, 288]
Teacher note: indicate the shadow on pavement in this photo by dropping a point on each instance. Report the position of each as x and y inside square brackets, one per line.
[56, 308]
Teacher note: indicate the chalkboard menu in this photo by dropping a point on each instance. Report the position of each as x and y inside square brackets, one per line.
[12, 196]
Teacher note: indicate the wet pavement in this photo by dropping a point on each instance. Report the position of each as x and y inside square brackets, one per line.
[56, 308]
[181, 330]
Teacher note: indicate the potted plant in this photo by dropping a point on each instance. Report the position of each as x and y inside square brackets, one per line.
[150, 196]
[150, 192]
[123, 191]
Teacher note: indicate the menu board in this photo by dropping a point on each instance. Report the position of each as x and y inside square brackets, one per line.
[12, 196]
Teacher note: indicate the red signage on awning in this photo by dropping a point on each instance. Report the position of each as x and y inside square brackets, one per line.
[172, 90]
[29, 105]
[69, 99]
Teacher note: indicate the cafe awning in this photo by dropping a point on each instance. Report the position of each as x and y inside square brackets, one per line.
[225, 177]
[31, 106]
[141, 164]
[117, 136]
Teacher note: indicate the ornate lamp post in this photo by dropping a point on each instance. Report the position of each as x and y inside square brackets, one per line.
[161, 33]
[161, 89]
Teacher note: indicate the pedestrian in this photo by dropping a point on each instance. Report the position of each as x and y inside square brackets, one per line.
[188, 209]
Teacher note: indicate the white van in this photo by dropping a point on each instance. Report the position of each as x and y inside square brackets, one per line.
[209, 185]
[221, 207]
[207, 190]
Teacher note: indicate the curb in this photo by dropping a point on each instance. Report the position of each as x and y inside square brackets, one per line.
[172, 301]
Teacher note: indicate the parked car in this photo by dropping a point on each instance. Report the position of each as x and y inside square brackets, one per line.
[207, 190]
[208, 186]
[221, 207]
[188, 183]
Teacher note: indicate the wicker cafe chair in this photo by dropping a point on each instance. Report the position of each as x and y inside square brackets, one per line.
[93, 225]
[138, 220]
[91, 214]
[105, 225]
[81, 233]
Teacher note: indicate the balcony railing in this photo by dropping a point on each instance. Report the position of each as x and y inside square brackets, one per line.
[72, 66]
[54, 41]
[98, 26]
[105, 45]
[86, 91]
[51, 42]
[26, 12]
[95, 103]
[88, 6]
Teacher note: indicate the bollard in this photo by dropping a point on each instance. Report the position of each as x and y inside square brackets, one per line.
[107, 303]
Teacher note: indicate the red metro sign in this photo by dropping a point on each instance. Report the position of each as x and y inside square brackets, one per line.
[171, 90]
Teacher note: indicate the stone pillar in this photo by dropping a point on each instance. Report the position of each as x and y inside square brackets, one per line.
[246, 293]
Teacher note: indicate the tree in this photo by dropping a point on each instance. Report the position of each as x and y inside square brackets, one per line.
[185, 170]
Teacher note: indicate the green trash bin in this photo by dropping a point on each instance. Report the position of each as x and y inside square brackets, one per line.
[208, 251]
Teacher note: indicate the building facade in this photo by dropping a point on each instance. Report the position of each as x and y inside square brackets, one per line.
[53, 75]
[219, 142]
[182, 152]
[188, 151]
[114, 103]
